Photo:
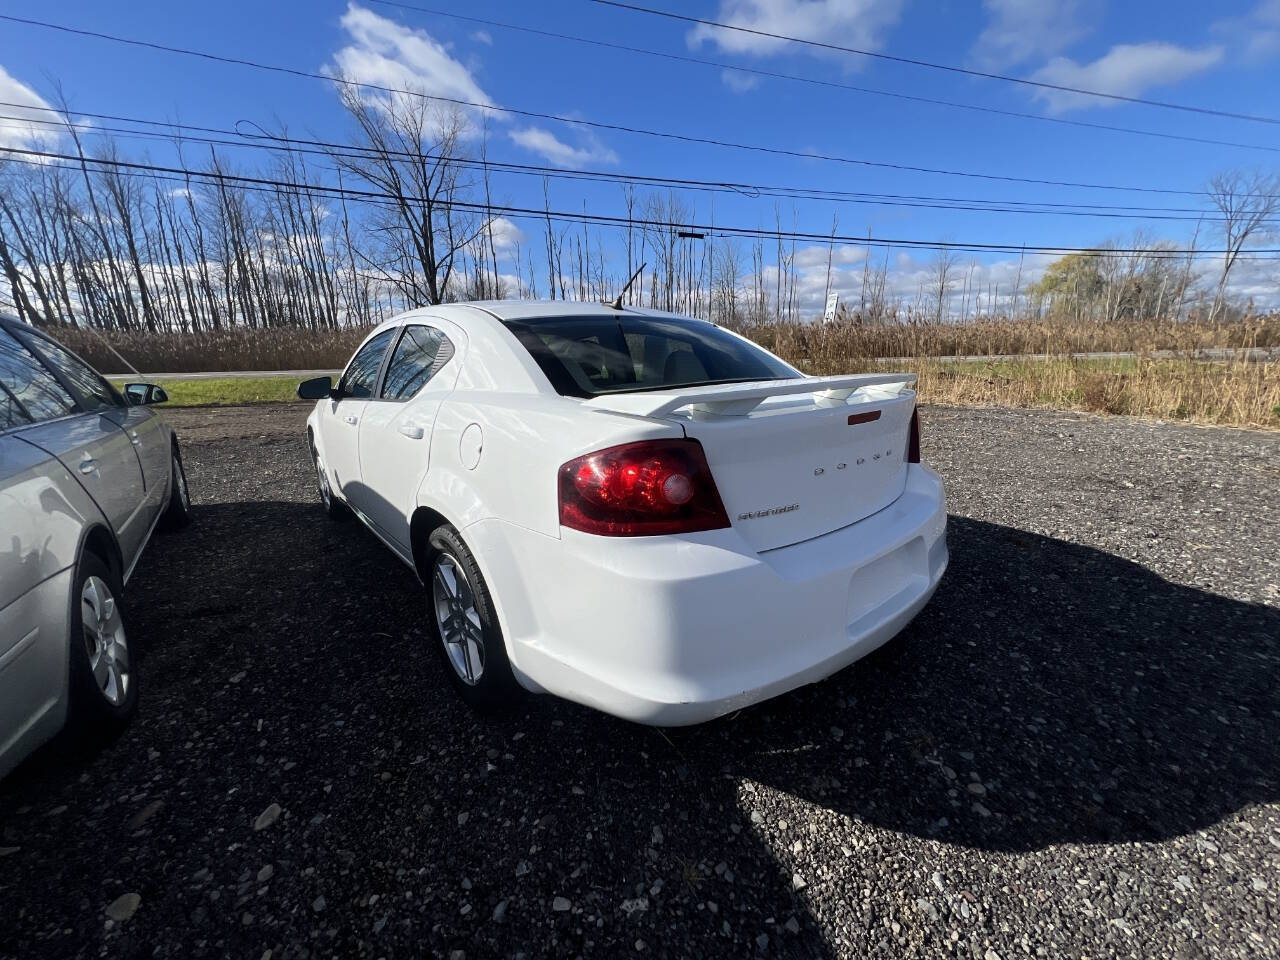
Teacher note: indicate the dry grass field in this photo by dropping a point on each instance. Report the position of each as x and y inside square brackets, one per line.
[1228, 393]
[1168, 377]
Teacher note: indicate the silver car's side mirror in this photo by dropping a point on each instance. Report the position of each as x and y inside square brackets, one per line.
[141, 394]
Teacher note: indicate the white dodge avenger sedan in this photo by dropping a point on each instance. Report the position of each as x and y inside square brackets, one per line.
[638, 511]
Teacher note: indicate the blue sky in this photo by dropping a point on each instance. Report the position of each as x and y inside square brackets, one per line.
[1224, 56]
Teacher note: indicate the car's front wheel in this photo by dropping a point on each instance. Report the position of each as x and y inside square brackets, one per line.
[467, 634]
[177, 512]
[104, 683]
[334, 508]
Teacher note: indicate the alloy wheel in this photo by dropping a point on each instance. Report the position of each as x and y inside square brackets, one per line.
[181, 476]
[104, 640]
[453, 602]
[322, 480]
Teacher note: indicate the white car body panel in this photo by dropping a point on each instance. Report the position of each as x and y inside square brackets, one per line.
[398, 437]
[680, 632]
[669, 629]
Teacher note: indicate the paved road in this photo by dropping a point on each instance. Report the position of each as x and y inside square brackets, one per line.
[1257, 354]
[233, 374]
[1253, 354]
[1072, 752]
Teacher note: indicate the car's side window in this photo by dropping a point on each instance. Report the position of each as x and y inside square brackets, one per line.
[94, 391]
[11, 412]
[362, 371]
[30, 383]
[418, 357]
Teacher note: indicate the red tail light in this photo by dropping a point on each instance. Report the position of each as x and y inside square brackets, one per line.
[641, 489]
[913, 441]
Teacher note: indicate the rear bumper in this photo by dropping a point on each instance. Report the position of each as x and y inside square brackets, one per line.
[679, 630]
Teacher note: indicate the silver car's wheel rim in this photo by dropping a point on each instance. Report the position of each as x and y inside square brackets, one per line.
[454, 604]
[104, 640]
[181, 478]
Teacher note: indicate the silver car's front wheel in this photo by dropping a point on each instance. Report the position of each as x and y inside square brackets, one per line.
[180, 477]
[457, 619]
[177, 512]
[104, 640]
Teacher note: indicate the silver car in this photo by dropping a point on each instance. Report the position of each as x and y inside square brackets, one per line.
[86, 475]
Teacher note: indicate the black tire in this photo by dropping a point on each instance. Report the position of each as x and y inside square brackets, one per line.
[95, 717]
[330, 502]
[177, 512]
[495, 689]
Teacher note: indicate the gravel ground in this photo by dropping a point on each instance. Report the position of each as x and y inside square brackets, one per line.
[1071, 753]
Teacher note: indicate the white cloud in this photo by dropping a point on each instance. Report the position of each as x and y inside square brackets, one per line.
[850, 23]
[554, 150]
[988, 280]
[483, 36]
[18, 132]
[739, 82]
[505, 234]
[816, 257]
[1251, 279]
[1022, 30]
[388, 54]
[908, 271]
[1129, 70]
[1256, 34]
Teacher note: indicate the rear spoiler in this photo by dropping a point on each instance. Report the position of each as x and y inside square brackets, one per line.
[739, 399]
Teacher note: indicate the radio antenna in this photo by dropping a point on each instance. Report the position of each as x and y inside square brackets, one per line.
[617, 303]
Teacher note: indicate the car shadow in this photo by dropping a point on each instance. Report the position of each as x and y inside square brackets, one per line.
[1049, 693]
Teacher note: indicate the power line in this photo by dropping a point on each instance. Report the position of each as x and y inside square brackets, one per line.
[950, 68]
[746, 189]
[595, 124]
[712, 230]
[332, 150]
[796, 78]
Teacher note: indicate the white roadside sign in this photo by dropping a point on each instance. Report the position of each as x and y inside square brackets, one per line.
[829, 315]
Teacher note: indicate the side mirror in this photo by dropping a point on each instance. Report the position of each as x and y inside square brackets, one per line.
[317, 388]
[141, 394]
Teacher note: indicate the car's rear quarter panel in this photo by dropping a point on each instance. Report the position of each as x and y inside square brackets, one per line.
[525, 438]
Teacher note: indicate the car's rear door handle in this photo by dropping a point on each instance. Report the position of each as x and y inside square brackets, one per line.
[412, 431]
[350, 420]
[88, 465]
[133, 438]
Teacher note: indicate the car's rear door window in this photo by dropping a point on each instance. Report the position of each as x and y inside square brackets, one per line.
[95, 392]
[421, 352]
[362, 371]
[589, 356]
[11, 412]
[30, 383]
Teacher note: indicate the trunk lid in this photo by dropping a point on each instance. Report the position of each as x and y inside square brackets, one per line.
[793, 459]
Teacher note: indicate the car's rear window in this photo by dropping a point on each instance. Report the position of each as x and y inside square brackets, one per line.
[589, 356]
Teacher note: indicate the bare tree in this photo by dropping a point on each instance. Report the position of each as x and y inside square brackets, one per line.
[728, 274]
[1247, 202]
[410, 152]
[1017, 285]
[941, 277]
